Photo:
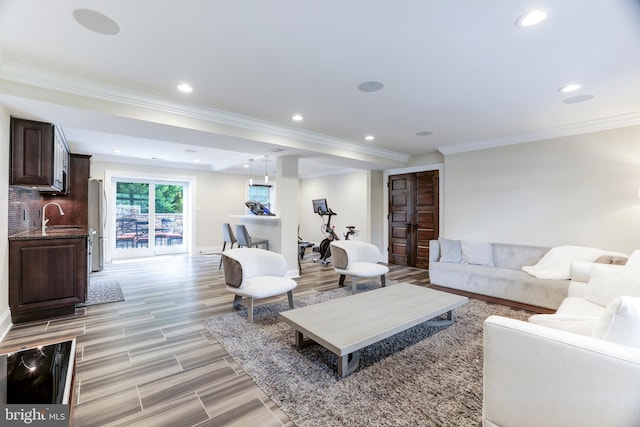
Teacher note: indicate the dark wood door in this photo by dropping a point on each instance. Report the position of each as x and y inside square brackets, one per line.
[401, 206]
[413, 217]
[426, 217]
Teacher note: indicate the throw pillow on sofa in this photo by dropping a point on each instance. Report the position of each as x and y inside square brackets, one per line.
[633, 263]
[621, 322]
[450, 251]
[478, 253]
[610, 259]
[606, 284]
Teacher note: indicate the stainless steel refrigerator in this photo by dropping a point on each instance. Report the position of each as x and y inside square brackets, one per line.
[97, 221]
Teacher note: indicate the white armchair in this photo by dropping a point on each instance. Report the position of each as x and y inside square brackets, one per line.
[255, 274]
[540, 376]
[357, 259]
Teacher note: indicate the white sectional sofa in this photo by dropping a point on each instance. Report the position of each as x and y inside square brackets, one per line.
[577, 367]
[494, 269]
[592, 291]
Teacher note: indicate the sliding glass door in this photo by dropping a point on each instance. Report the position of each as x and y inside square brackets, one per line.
[149, 218]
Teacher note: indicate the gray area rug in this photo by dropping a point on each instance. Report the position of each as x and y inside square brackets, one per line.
[426, 376]
[102, 291]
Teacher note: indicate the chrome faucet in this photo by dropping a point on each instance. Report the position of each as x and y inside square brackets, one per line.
[45, 221]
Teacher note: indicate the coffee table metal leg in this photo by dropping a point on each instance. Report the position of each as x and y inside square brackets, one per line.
[348, 363]
[448, 320]
[301, 341]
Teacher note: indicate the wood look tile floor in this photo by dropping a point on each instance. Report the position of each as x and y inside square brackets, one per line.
[149, 360]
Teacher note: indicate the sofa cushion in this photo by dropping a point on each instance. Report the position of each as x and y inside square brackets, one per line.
[505, 283]
[450, 250]
[577, 306]
[621, 322]
[583, 325]
[606, 284]
[364, 269]
[478, 253]
[264, 286]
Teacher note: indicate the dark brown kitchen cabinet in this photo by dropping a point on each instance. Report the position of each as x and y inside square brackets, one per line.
[47, 277]
[39, 156]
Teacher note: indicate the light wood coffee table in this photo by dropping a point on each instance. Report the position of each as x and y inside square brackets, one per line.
[346, 325]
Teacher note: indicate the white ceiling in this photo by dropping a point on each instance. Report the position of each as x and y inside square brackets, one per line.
[460, 69]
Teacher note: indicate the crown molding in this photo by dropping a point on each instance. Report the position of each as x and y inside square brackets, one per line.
[37, 77]
[150, 162]
[606, 123]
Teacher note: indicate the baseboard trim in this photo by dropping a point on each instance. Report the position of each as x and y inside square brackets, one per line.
[5, 323]
[209, 250]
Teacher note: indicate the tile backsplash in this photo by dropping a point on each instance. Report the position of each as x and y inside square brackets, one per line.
[24, 209]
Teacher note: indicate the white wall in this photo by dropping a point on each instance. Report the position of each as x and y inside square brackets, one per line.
[579, 190]
[376, 190]
[5, 314]
[346, 195]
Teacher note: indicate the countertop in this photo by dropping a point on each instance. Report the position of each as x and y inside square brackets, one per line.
[54, 232]
[258, 217]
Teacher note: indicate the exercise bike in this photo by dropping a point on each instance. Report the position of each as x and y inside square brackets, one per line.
[320, 207]
[330, 235]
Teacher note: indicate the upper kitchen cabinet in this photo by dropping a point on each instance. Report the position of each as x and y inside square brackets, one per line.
[39, 156]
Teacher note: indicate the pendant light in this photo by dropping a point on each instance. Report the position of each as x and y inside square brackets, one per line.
[250, 171]
[266, 174]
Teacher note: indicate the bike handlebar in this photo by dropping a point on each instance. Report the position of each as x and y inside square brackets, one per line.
[329, 212]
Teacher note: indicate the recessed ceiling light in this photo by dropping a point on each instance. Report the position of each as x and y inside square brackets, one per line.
[369, 137]
[96, 22]
[185, 88]
[297, 117]
[196, 160]
[117, 151]
[424, 133]
[578, 98]
[370, 86]
[570, 88]
[532, 18]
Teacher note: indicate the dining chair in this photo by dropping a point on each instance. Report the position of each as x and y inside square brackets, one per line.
[227, 233]
[245, 240]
